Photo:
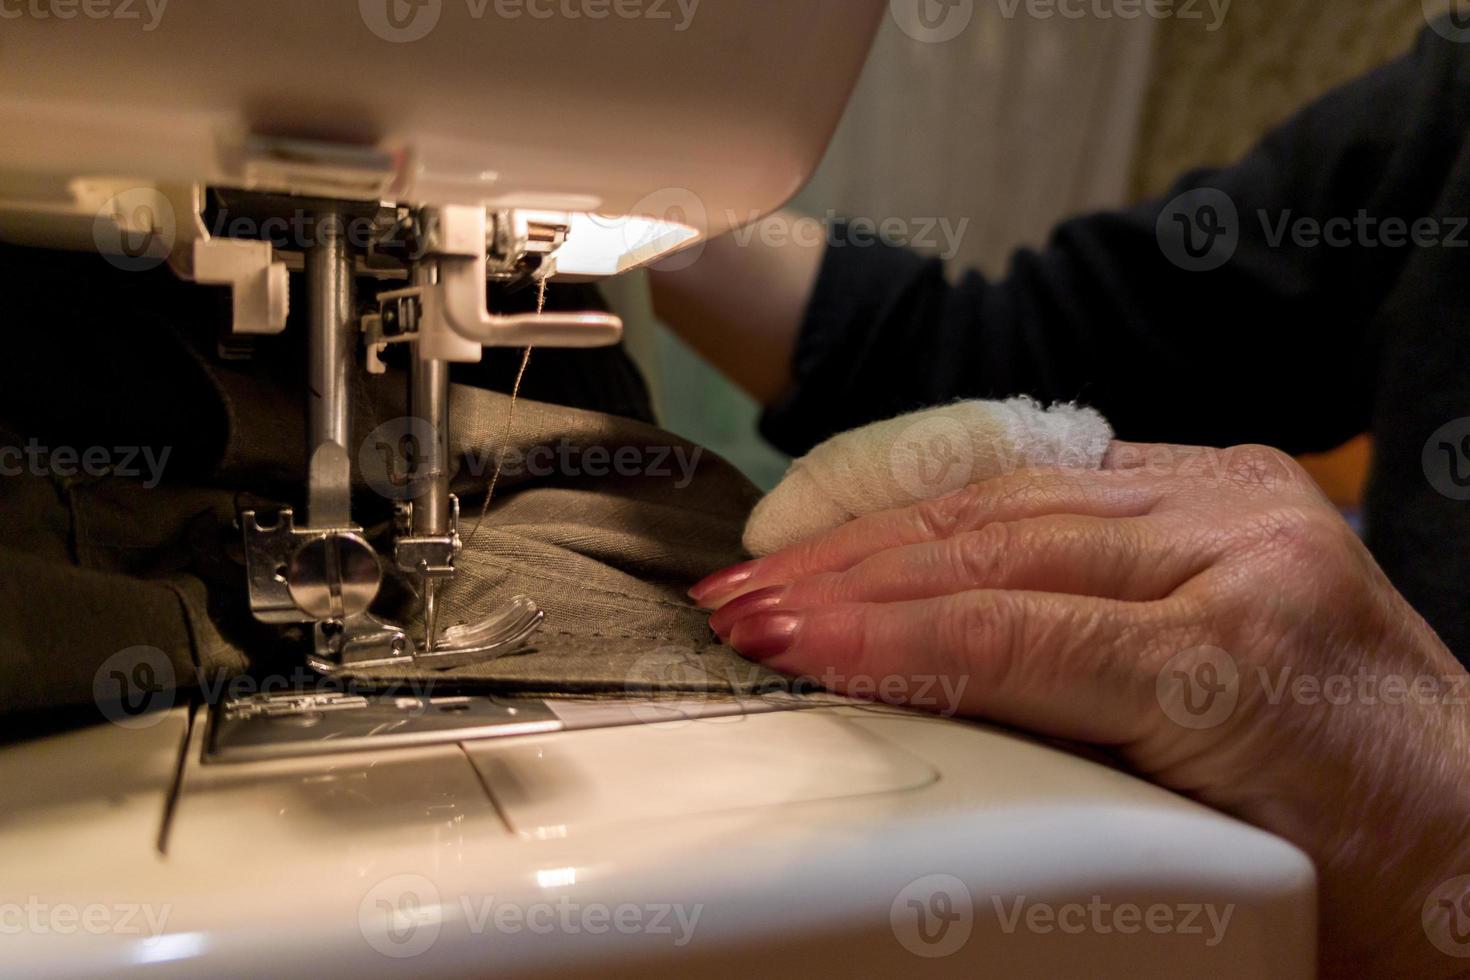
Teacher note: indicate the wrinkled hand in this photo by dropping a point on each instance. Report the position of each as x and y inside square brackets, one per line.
[1208, 616]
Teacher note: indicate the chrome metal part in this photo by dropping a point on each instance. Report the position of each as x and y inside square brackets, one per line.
[294, 724]
[332, 326]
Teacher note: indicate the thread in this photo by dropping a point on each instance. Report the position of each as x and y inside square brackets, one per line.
[510, 417]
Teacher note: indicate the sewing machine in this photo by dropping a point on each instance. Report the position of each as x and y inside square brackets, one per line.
[435, 147]
[494, 149]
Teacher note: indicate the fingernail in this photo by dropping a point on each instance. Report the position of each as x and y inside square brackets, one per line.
[765, 634]
[735, 610]
[722, 583]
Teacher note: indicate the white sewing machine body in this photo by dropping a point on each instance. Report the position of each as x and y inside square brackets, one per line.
[793, 843]
[782, 843]
[720, 112]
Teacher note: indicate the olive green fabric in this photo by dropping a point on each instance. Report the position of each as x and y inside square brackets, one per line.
[603, 520]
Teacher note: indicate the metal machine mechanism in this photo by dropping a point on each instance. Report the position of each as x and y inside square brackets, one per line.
[436, 261]
[429, 148]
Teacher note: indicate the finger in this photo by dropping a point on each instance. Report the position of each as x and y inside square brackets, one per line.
[1127, 455]
[1015, 496]
[1202, 469]
[1068, 666]
[1135, 559]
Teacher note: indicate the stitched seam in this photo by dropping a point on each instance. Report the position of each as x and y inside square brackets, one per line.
[583, 586]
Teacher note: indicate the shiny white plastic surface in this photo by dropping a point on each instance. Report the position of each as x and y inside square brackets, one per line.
[777, 844]
[708, 113]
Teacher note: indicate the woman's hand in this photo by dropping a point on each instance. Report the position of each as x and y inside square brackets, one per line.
[1204, 613]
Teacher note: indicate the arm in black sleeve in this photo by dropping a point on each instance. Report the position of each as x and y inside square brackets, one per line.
[1272, 345]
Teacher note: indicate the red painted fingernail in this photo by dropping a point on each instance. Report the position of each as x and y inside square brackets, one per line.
[765, 634]
[737, 609]
[722, 583]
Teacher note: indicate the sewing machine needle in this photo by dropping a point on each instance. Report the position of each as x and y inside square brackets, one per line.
[431, 613]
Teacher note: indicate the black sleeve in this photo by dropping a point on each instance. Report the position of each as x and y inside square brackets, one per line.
[1196, 318]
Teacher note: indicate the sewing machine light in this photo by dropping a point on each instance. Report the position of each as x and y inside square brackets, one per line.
[600, 246]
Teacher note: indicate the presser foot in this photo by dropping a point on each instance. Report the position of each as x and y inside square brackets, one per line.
[365, 641]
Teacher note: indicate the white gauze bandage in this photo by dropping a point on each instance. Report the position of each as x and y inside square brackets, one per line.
[919, 457]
